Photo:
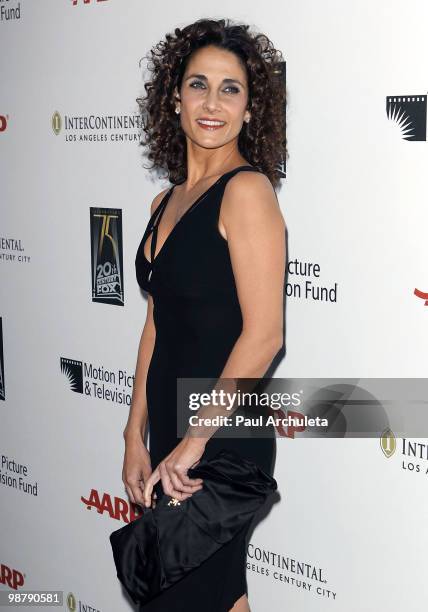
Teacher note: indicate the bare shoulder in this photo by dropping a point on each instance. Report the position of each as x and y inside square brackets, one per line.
[249, 196]
[157, 200]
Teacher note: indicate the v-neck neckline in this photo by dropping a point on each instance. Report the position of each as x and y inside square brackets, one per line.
[157, 215]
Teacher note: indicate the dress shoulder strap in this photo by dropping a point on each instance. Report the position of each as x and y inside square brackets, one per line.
[223, 180]
[234, 171]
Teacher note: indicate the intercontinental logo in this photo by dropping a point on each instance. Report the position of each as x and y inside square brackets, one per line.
[409, 115]
[12, 250]
[413, 452]
[97, 381]
[73, 604]
[289, 571]
[97, 127]
[388, 443]
[107, 256]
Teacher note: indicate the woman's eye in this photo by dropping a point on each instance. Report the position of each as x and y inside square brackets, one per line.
[231, 88]
[234, 89]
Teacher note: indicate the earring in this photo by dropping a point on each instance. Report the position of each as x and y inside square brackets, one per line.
[177, 110]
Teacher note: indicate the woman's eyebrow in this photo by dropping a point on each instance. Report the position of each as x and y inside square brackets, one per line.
[204, 78]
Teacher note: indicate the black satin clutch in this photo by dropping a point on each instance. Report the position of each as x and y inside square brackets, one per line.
[166, 542]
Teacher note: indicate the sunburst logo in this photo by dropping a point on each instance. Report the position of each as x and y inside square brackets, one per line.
[388, 443]
[73, 370]
[408, 116]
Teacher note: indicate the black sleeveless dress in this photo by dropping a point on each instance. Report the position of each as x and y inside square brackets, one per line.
[198, 320]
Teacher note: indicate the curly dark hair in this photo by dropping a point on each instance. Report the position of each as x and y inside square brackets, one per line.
[262, 141]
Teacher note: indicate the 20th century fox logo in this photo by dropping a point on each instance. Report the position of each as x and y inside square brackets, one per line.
[107, 256]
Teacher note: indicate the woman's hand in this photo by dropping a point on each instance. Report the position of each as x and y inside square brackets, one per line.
[137, 468]
[173, 471]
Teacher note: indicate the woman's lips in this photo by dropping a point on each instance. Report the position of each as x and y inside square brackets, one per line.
[209, 127]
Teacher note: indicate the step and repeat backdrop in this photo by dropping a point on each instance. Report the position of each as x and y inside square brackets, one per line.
[348, 530]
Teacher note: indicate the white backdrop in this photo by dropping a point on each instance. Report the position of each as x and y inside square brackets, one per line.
[349, 532]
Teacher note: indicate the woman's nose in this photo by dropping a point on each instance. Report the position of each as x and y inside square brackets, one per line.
[211, 101]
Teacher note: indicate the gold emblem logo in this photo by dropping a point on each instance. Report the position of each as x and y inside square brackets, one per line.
[56, 123]
[174, 502]
[388, 443]
[71, 602]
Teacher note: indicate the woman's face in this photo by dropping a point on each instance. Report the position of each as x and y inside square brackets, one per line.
[214, 87]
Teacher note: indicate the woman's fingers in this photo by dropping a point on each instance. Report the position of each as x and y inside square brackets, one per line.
[133, 489]
[170, 484]
[166, 481]
[148, 487]
[130, 494]
[154, 499]
[179, 483]
[185, 479]
[137, 493]
[177, 480]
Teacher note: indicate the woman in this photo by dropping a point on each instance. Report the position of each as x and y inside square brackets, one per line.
[212, 260]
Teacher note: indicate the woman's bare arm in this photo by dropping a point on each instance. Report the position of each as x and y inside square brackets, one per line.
[137, 419]
[255, 230]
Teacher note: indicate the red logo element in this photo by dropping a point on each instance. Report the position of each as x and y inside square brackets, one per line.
[117, 508]
[86, 1]
[11, 577]
[423, 295]
[291, 429]
[3, 122]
